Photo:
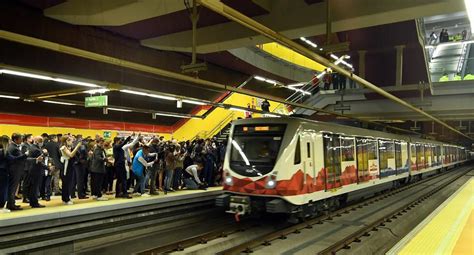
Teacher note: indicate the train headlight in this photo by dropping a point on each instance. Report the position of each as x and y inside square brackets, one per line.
[228, 180]
[271, 182]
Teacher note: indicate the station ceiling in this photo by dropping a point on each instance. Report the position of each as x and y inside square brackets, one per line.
[158, 34]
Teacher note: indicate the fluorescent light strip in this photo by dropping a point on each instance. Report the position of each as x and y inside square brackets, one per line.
[47, 78]
[119, 110]
[80, 83]
[260, 78]
[56, 102]
[94, 91]
[237, 109]
[193, 102]
[174, 115]
[147, 94]
[299, 90]
[312, 44]
[9, 97]
[23, 74]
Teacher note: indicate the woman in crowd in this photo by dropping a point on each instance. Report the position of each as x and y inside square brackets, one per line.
[67, 171]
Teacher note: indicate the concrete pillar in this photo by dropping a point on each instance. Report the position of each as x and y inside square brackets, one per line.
[362, 63]
[399, 67]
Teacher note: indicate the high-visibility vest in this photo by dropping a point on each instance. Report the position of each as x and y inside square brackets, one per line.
[469, 77]
[444, 78]
[457, 78]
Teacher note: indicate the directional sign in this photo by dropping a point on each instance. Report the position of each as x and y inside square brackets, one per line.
[96, 101]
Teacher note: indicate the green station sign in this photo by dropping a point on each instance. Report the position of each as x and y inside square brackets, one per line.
[96, 101]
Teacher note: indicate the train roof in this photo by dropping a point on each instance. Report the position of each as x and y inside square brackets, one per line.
[296, 122]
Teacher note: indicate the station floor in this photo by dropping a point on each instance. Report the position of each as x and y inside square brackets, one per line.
[448, 230]
[56, 209]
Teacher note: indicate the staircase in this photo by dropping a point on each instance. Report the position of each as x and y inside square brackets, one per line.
[447, 58]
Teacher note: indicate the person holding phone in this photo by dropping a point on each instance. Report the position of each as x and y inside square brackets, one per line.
[37, 167]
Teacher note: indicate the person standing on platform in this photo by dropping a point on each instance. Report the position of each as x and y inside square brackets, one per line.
[26, 181]
[16, 167]
[52, 146]
[36, 171]
[342, 82]
[99, 161]
[327, 79]
[80, 170]
[170, 164]
[178, 172]
[45, 185]
[335, 80]
[120, 169]
[265, 106]
[109, 169]
[138, 168]
[67, 170]
[4, 140]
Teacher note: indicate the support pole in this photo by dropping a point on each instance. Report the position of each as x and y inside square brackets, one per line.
[399, 67]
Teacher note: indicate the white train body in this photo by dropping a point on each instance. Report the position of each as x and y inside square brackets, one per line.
[285, 163]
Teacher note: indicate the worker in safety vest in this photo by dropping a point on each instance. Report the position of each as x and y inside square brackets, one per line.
[469, 77]
[457, 77]
[444, 78]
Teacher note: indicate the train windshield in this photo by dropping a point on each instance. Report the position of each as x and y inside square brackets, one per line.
[254, 148]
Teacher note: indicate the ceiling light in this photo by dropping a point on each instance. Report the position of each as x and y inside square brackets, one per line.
[96, 91]
[193, 102]
[272, 115]
[260, 78]
[174, 115]
[162, 97]
[119, 109]
[300, 90]
[237, 109]
[80, 83]
[271, 81]
[299, 84]
[23, 74]
[303, 39]
[57, 102]
[179, 104]
[312, 44]
[9, 97]
[47, 78]
[139, 93]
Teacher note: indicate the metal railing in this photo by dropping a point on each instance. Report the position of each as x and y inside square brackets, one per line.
[207, 134]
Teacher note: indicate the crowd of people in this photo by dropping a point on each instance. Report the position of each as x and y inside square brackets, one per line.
[36, 168]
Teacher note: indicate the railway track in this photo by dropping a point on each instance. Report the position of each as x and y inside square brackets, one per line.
[109, 226]
[423, 190]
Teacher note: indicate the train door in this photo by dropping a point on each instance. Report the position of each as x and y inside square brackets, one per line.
[307, 147]
[348, 161]
[413, 157]
[362, 160]
[332, 160]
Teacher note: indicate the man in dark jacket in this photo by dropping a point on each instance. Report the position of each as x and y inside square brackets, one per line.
[26, 182]
[120, 170]
[52, 146]
[36, 170]
[265, 106]
[16, 162]
[80, 170]
[98, 170]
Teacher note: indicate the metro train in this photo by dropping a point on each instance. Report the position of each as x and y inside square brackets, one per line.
[302, 167]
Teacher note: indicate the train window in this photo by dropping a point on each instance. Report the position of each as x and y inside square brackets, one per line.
[387, 158]
[347, 144]
[398, 155]
[427, 155]
[413, 156]
[308, 150]
[254, 152]
[362, 160]
[298, 152]
[420, 156]
[332, 160]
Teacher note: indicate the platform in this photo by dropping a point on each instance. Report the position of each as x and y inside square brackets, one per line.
[447, 230]
[55, 209]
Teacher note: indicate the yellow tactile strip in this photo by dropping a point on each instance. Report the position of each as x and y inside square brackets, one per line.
[442, 233]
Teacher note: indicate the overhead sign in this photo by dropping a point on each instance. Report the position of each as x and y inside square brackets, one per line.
[96, 101]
